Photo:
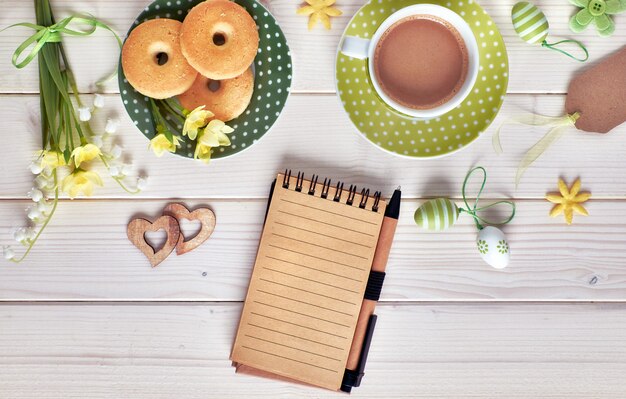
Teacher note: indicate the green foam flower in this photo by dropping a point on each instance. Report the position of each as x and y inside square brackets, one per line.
[596, 11]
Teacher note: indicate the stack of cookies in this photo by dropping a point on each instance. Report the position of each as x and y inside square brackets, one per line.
[205, 60]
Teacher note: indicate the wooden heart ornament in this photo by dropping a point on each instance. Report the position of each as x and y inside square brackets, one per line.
[205, 216]
[137, 228]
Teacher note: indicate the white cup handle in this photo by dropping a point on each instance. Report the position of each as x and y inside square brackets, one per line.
[355, 47]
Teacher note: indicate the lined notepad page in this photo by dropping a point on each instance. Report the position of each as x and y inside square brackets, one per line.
[307, 286]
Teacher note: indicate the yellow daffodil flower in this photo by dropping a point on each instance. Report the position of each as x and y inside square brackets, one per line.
[80, 181]
[214, 135]
[85, 153]
[160, 144]
[203, 153]
[197, 119]
[568, 201]
[50, 159]
[319, 11]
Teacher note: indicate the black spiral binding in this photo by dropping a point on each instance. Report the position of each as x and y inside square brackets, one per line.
[325, 189]
[312, 190]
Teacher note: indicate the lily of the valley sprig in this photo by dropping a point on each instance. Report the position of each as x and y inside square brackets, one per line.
[70, 146]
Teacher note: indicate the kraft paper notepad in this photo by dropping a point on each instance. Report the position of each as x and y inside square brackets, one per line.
[308, 282]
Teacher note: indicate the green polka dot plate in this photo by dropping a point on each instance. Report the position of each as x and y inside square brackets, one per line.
[404, 135]
[272, 80]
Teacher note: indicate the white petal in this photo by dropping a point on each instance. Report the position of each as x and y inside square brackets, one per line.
[35, 194]
[98, 101]
[20, 234]
[41, 182]
[116, 151]
[34, 214]
[43, 207]
[126, 169]
[111, 126]
[8, 253]
[30, 233]
[142, 183]
[114, 171]
[35, 168]
[84, 114]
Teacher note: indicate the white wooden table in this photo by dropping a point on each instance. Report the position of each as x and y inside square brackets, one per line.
[86, 317]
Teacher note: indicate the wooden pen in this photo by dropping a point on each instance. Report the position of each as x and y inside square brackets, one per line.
[379, 264]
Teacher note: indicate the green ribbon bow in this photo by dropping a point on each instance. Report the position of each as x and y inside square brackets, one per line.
[53, 34]
[558, 125]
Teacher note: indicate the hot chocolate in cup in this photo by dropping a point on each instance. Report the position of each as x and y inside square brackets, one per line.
[423, 60]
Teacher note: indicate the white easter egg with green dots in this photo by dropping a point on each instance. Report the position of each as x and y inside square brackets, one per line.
[529, 22]
[493, 247]
[406, 136]
[272, 81]
[437, 214]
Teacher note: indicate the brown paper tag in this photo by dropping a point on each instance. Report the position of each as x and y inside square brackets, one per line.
[599, 95]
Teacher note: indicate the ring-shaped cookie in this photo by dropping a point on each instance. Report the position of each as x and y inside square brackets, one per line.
[219, 39]
[227, 98]
[153, 62]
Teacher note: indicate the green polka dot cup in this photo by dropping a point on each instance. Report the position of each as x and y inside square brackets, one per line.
[272, 81]
[362, 48]
[404, 135]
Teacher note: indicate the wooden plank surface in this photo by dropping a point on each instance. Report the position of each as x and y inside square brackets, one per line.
[173, 337]
[418, 351]
[313, 52]
[315, 136]
[85, 255]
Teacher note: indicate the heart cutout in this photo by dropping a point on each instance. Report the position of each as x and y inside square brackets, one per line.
[137, 229]
[189, 228]
[156, 239]
[207, 225]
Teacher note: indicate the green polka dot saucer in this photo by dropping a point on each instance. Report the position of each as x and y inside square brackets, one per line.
[272, 80]
[404, 135]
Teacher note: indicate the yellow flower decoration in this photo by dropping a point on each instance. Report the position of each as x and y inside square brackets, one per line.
[214, 135]
[160, 144]
[80, 181]
[51, 159]
[85, 153]
[568, 201]
[203, 153]
[319, 11]
[197, 119]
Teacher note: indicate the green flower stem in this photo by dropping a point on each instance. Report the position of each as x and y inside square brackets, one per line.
[118, 180]
[172, 110]
[161, 122]
[176, 106]
[54, 208]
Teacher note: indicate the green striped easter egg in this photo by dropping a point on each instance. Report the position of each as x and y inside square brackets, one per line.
[529, 22]
[437, 214]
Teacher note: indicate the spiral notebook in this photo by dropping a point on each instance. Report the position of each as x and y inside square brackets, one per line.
[309, 278]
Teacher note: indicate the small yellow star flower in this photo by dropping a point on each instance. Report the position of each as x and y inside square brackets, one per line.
[85, 153]
[50, 159]
[197, 119]
[319, 11]
[568, 201]
[80, 181]
[160, 144]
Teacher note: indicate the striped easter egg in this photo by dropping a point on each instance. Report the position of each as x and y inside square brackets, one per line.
[529, 22]
[437, 214]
